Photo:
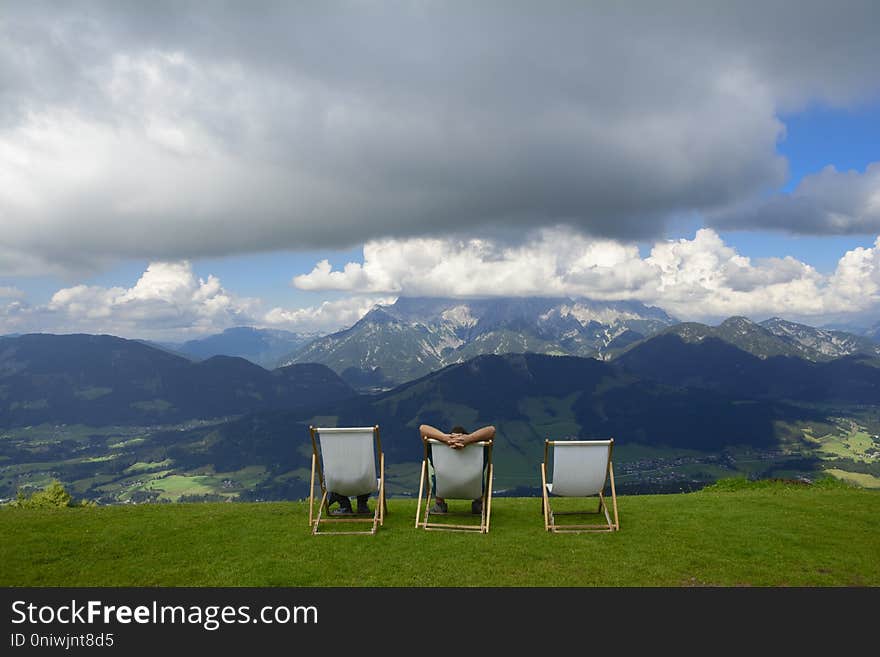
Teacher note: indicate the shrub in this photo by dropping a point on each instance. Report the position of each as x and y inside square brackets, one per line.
[735, 484]
[53, 496]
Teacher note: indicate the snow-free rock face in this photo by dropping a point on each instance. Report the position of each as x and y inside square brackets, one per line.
[821, 344]
[415, 336]
[778, 337]
[742, 333]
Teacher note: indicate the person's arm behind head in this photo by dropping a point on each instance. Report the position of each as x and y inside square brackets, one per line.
[483, 433]
[431, 432]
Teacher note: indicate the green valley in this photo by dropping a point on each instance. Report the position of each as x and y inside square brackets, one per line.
[683, 415]
[729, 535]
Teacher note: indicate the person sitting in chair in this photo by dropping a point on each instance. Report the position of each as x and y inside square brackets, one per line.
[457, 438]
[345, 504]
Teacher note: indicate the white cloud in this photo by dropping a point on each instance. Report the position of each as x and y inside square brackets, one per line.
[169, 302]
[555, 262]
[326, 317]
[704, 278]
[700, 278]
[7, 292]
[15, 317]
[856, 280]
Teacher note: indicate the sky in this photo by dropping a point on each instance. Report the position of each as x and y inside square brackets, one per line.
[172, 169]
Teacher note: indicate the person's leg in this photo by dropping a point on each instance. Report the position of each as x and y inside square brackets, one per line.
[477, 504]
[431, 463]
[440, 503]
[344, 502]
[363, 507]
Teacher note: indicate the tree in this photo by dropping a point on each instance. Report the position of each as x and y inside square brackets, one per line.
[53, 496]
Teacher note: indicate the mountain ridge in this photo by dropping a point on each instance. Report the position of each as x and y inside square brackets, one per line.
[102, 379]
[265, 347]
[666, 394]
[417, 335]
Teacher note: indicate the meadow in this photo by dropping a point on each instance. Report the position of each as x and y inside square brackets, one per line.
[732, 534]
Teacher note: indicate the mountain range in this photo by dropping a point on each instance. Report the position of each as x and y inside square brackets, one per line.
[415, 336]
[722, 401]
[715, 364]
[117, 417]
[778, 337]
[100, 380]
[103, 379]
[264, 347]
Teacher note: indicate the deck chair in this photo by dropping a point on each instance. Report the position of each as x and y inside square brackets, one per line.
[344, 460]
[581, 468]
[458, 474]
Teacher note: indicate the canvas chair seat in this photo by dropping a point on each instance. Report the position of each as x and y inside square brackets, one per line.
[464, 474]
[581, 468]
[345, 462]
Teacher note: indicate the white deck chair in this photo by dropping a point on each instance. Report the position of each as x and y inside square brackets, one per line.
[344, 460]
[581, 468]
[458, 474]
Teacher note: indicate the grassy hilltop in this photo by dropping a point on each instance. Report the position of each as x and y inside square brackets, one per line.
[756, 534]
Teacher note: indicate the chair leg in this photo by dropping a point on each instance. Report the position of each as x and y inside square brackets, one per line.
[614, 497]
[545, 501]
[322, 508]
[384, 493]
[487, 506]
[429, 497]
[380, 503]
[312, 491]
[421, 492]
[604, 507]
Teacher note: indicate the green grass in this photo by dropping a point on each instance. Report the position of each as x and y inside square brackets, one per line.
[173, 486]
[737, 534]
[857, 478]
[844, 439]
[146, 467]
[853, 444]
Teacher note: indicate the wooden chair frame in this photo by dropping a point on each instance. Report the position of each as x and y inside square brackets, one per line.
[426, 491]
[549, 515]
[323, 514]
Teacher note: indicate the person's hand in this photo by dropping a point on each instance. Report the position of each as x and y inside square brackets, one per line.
[455, 441]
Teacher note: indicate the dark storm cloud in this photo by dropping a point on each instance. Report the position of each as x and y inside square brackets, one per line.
[830, 202]
[189, 129]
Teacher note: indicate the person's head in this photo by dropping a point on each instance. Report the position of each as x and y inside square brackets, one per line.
[459, 429]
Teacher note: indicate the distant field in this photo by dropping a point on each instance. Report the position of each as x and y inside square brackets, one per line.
[763, 534]
[118, 464]
[856, 478]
